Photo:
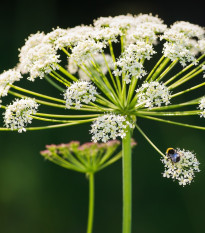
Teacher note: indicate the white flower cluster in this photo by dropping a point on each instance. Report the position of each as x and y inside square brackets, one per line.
[202, 107]
[109, 127]
[153, 94]
[129, 63]
[183, 40]
[184, 170]
[61, 38]
[7, 78]
[80, 92]
[98, 59]
[138, 27]
[37, 57]
[18, 114]
[85, 49]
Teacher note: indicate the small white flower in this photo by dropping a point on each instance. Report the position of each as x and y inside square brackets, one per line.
[109, 127]
[184, 170]
[85, 49]
[18, 114]
[37, 57]
[202, 107]
[203, 68]
[71, 36]
[183, 42]
[153, 94]
[129, 63]
[7, 78]
[80, 92]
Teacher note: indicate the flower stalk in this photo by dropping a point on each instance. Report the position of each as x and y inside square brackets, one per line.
[127, 182]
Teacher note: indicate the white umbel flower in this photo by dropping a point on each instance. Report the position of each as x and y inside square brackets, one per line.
[37, 57]
[189, 29]
[129, 63]
[122, 22]
[184, 170]
[7, 78]
[202, 107]
[183, 42]
[18, 114]
[153, 94]
[78, 93]
[109, 127]
[85, 49]
[72, 36]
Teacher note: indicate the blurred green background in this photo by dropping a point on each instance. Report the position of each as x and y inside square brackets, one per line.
[38, 196]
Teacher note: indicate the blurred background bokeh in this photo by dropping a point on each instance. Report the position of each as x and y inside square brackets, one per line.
[38, 196]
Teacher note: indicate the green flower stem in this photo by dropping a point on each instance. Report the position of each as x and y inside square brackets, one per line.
[178, 113]
[131, 89]
[50, 81]
[51, 120]
[169, 68]
[61, 162]
[173, 122]
[122, 44]
[150, 142]
[67, 116]
[113, 160]
[160, 69]
[184, 70]
[91, 202]
[188, 74]
[127, 182]
[183, 80]
[123, 95]
[84, 108]
[155, 67]
[114, 60]
[62, 78]
[187, 90]
[105, 102]
[103, 109]
[51, 126]
[37, 94]
[174, 106]
[71, 161]
[59, 80]
[107, 83]
[110, 73]
[65, 72]
[104, 88]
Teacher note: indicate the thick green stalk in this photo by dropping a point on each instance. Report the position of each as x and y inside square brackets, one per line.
[127, 182]
[91, 203]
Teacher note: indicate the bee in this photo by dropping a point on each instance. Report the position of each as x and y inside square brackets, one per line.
[174, 155]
